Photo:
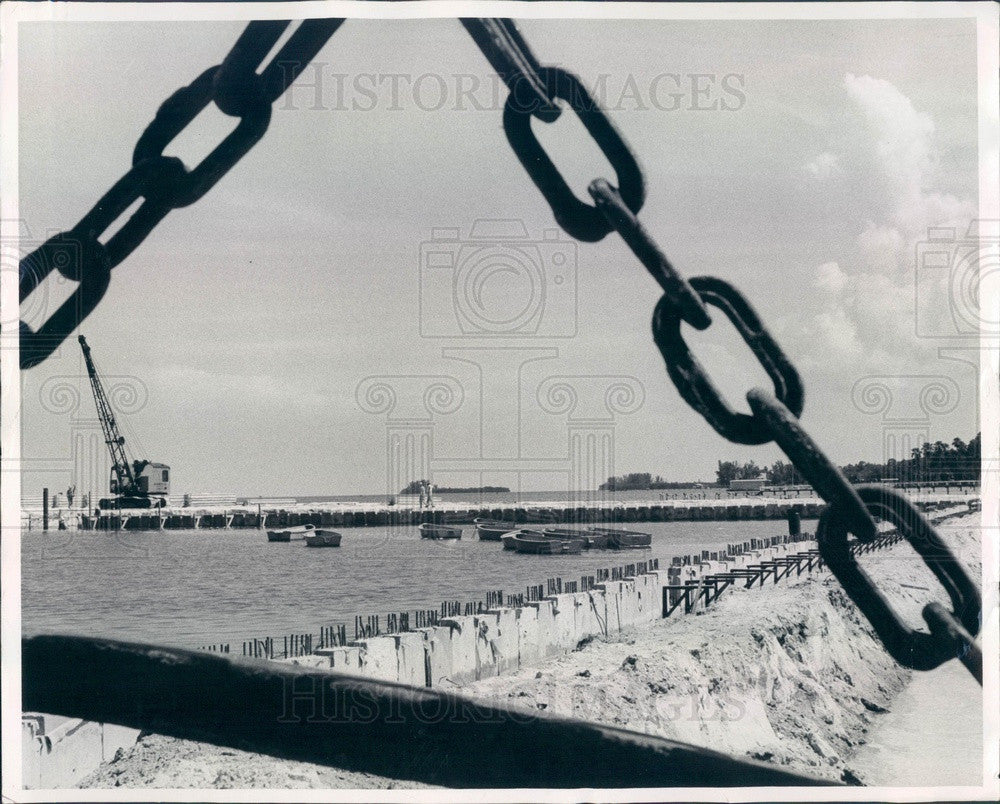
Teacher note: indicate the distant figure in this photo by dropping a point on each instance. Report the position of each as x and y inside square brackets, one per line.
[70, 492]
[430, 495]
[420, 491]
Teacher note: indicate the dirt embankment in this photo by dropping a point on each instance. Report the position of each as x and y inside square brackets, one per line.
[791, 674]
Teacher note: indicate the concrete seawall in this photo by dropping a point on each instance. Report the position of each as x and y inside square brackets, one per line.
[58, 751]
[368, 515]
[460, 650]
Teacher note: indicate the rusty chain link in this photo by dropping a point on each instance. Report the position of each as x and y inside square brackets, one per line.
[164, 183]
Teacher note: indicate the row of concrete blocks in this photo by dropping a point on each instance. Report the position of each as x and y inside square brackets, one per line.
[406, 517]
[403, 517]
[459, 650]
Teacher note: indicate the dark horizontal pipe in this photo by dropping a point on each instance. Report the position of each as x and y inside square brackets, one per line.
[348, 722]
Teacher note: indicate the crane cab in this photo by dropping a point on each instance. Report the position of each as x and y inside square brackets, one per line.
[150, 490]
[152, 478]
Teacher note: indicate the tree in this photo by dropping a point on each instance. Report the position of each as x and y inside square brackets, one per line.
[783, 474]
[726, 473]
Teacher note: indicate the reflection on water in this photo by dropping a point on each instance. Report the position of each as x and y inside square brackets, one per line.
[191, 588]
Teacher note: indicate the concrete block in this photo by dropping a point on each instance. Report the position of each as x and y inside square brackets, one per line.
[437, 648]
[58, 751]
[528, 651]
[548, 644]
[116, 738]
[344, 658]
[591, 614]
[630, 603]
[622, 605]
[411, 659]
[501, 635]
[649, 597]
[463, 638]
[564, 622]
[378, 658]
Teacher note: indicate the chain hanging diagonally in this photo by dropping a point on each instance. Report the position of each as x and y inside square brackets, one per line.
[952, 634]
[164, 183]
[510, 56]
[774, 416]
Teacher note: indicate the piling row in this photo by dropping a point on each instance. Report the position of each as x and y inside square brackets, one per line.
[297, 645]
[191, 519]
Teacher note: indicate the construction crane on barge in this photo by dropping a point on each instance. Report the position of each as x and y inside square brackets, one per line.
[134, 484]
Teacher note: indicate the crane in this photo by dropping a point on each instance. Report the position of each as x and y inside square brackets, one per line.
[135, 484]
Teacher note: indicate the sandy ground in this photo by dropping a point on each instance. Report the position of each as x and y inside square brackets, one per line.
[791, 675]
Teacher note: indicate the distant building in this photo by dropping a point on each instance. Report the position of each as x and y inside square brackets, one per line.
[756, 484]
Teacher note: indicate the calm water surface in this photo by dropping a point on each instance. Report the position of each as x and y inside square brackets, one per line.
[190, 588]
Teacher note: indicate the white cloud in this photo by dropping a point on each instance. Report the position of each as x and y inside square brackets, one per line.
[864, 309]
[830, 278]
[823, 166]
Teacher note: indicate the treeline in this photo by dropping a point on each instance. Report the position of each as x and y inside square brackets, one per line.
[929, 462]
[643, 481]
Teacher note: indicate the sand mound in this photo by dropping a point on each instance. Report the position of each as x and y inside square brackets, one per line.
[791, 674]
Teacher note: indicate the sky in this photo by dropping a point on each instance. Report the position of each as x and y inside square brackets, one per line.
[334, 291]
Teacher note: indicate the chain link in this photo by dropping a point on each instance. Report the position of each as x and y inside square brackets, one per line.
[949, 637]
[811, 462]
[676, 288]
[581, 220]
[694, 384]
[238, 90]
[510, 56]
[164, 183]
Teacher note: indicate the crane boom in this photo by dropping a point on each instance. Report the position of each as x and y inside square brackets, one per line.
[121, 466]
[135, 484]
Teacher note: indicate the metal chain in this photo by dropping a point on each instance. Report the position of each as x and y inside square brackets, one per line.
[774, 416]
[164, 183]
[510, 56]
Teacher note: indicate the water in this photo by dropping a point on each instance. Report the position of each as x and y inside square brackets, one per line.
[197, 587]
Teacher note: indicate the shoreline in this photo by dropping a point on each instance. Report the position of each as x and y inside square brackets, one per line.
[792, 676]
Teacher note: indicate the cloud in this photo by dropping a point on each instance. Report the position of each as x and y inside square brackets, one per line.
[830, 278]
[863, 310]
[823, 166]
